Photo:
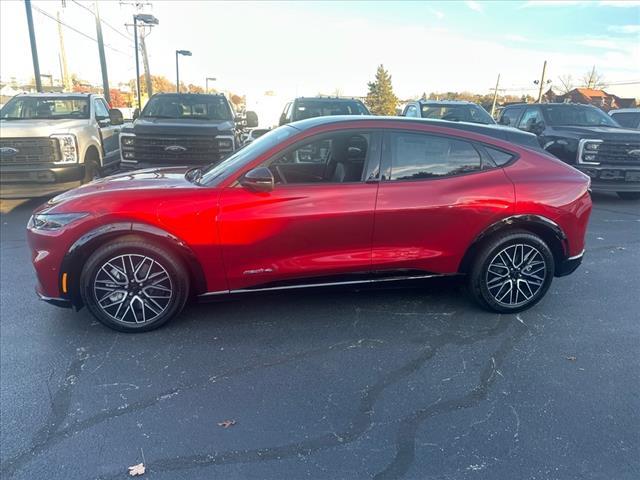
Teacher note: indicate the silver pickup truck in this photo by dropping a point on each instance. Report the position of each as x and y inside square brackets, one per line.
[50, 142]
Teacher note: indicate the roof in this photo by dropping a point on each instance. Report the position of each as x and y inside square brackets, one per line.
[57, 94]
[446, 102]
[625, 110]
[333, 99]
[592, 93]
[550, 104]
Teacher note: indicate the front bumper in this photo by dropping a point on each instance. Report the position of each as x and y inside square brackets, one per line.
[569, 265]
[612, 178]
[58, 302]
[31, 181]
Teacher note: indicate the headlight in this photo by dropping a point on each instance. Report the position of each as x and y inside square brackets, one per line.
[68, 147]
[53, 221]
[128, 141]
[588, 151]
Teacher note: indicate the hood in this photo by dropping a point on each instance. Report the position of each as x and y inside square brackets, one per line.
[604, 133]
[152, 178]
[184, 126]
[39, 127]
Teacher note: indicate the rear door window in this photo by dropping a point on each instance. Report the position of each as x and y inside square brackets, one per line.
[416, 156]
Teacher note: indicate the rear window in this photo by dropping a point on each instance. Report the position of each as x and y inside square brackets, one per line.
[457, 113]
[323, 108]
[627, 119]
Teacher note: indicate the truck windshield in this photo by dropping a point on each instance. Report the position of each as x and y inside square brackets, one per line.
[578, 116]
[322, 108]
[193, 106]
[457, 113]
[50, 108]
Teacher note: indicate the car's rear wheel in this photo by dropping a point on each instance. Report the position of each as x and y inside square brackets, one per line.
[629, 195]
[132, 285]
[511, 272]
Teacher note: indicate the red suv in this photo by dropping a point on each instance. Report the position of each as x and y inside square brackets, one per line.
[325, 201]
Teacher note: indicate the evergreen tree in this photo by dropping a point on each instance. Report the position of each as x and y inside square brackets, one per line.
[381, 100]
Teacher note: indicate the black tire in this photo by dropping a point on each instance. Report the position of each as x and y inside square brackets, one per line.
[490, 281]
[91, 171]
[629, 195]
[145, 298]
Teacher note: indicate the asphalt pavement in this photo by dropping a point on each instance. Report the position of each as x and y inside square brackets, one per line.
[413, 383]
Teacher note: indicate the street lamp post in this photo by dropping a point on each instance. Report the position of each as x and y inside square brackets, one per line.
[186, 53]
[147, 19]
[206, 83]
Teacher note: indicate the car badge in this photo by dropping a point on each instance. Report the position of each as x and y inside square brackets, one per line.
[635, 152]
[8, 151]
[175, 149]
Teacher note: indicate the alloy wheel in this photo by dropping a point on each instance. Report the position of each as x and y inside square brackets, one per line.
[132, 288]
[516, 274]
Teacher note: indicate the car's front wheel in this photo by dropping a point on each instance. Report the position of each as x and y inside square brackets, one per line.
[511, 272]
[629, 195]
[133, 285]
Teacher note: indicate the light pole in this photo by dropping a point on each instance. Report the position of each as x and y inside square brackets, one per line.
[206, 83]
[186, 53]
[147, 19]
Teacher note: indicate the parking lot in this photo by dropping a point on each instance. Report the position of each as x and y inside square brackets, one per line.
[400, 383]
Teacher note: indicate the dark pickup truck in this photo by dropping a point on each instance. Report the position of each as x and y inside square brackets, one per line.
[586, 138]
[182, 129]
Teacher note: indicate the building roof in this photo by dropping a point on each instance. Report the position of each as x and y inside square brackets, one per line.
[592, 93]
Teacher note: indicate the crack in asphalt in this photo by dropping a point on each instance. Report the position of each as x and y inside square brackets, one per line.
[363, 421]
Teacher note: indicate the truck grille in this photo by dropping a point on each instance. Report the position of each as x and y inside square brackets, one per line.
[617, 152]
[29, 150]
[176, 150]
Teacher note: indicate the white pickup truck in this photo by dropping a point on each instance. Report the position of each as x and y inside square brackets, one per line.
[50, 142]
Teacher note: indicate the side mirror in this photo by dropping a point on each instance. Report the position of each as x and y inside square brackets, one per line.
[115, 116]
[136, 113]
[258, 180]
[252, 119]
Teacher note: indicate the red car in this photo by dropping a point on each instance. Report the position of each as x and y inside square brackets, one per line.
[326, 201]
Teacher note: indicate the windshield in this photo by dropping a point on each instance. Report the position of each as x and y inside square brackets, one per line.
[578, 116]
[323, 108]
[50, 108]
[627, 119]
[458, 113]
[246, 154]
[193, 106]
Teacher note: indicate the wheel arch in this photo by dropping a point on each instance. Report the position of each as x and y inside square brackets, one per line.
[550, 232]
[82, 248]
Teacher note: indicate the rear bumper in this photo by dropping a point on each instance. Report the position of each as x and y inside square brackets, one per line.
[569, 265]
[30, 181]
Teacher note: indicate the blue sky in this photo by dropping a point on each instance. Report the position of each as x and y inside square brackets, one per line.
[303, 48]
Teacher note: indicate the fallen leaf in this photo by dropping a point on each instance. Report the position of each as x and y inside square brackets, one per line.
[572, 359]
[136, 470]
[227, 423]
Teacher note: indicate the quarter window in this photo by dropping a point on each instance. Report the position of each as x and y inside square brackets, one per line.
[417, 156]
[510, 116]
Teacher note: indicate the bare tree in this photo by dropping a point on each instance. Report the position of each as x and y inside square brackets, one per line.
[566, 83]
[593, 79]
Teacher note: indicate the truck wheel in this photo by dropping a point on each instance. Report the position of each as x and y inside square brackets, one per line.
[629, 195]
[90, 171]
[132, 285]
[511, 272]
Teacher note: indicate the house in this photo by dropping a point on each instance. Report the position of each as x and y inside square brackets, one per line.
[591, 96]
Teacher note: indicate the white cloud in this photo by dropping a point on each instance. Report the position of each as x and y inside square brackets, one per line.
[438, 14]
[475, 6]
[620, 3]
[598, 43]
[554, 3]
[624, 28]
[516, 38]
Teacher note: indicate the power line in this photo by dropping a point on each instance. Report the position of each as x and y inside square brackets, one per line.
[76, 30]
[104, 21]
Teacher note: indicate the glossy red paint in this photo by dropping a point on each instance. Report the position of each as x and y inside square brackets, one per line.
[242, 239]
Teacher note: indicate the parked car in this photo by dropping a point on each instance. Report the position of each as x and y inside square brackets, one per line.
[587, 138]
[288, 211]
[52, 142]
[451, 110]
[627, 117]
[254, 134]
[311, 107]
[183, 129]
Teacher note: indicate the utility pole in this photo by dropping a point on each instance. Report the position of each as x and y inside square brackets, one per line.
[495, 96]
[145, 64]
[64, 70]
[544, 69]
[103, 59]
[135, 41]
[34, 47]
